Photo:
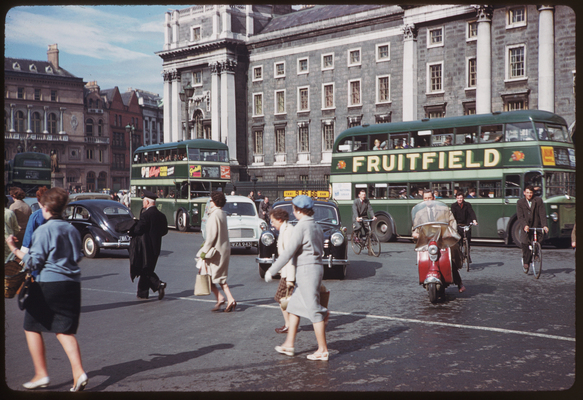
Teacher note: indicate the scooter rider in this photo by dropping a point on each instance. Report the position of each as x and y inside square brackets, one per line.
[464, 215]
[456, 259]
[361, 208]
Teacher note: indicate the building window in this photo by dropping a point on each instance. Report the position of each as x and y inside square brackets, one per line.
[52, 128]
[327, 61]
[472, 77]
[280, 140]
[100, 128]
[100, 152]
[279, 69]
[472, 31]
[514, 105]
[470, 109]
[304, 139]
[383, 89]
[207, 131]
[258, 142]
[197, 78]
[516, 17]
[195, 33]
[19, 121]
[53, 95]
[383, 52]
[303, 66]
[258, 73]
[280, 102]
[37, 94]
[328, 136]
[89, 127]
[434, 77]
[353, 57]
[328, 95]
[354, 98]
[20, 93]
[304, 99]
[516, 62]
[89, 154]
[435, 37]
[257, 104]
[36, 122]
[304, 178]
[435, 114]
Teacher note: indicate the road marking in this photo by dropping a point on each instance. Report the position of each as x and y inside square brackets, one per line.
[382, 317]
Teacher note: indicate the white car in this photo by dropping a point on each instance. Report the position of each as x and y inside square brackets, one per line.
[245, 225]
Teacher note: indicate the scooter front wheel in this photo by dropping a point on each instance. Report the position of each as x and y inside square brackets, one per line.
[433, 292]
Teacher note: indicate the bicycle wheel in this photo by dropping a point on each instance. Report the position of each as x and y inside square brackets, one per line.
[537, 259]
[374, 245]
[356, 243]
[466, 253]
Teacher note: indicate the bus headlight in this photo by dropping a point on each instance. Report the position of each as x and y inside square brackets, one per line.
[263, 225]
[337, 238]
[195, 211]
[267, 239]
[555, 216]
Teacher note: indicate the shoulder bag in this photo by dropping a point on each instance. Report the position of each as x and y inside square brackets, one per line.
[14, 276]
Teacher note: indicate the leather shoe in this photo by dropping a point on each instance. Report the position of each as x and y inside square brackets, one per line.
[141, 298]
[288, 351]
[283, 329]
[318, 356]
[525, 268]
[81, 383]
[39, 383]
[161, 290]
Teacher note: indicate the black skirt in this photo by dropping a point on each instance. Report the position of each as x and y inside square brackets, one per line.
[53, 307]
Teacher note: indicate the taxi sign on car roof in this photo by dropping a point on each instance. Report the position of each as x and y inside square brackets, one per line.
[312, 193]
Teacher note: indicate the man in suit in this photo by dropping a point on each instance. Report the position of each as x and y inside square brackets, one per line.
[531, 214]
[265, 208]
[464, 215]
[152, 226]
[361, 208]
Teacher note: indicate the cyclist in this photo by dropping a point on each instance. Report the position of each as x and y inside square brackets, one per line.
[531, 214]
[464, 214]
[361, 208]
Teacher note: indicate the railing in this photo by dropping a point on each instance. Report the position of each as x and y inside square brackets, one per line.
[37, 136]
[96, 140]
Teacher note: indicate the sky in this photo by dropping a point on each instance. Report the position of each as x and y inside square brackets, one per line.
[113, 45]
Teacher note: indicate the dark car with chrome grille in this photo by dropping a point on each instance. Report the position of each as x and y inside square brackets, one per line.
[326, 214]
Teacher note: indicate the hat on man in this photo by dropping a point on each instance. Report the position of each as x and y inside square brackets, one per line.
[303, 201]
[149, 195]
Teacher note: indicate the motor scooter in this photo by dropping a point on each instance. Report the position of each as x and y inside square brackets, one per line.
[434, 255]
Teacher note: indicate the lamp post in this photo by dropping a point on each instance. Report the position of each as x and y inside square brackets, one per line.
[185, 94]
[130, 129]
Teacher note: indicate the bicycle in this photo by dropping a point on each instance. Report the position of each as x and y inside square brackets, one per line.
[465, 246]
[536, 262]
[371, 241]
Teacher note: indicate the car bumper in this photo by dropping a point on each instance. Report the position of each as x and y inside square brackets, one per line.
[329, 261]
[115, 245]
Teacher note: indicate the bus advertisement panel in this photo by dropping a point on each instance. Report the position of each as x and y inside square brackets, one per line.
[490, 158]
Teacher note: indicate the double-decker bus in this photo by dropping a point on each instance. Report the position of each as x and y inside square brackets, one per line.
[494, 155]
[181, 174]
[29, 171]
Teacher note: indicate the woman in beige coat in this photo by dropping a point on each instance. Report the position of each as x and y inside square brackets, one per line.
[218, 248]
[279, 220]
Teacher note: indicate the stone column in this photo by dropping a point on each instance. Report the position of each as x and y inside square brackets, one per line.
[167, 30]
[175, 32]
[12, 106]
[484, 61]
[45, 120]
[229, 108]
[226, 17]
[167, 107]
[546, 58]
[61, 122]
[410, 73]
[176, 108]
[216, 22]
[28, 125]
[215, 105]
[249, 25]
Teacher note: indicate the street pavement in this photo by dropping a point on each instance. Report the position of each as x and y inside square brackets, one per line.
[508, 332]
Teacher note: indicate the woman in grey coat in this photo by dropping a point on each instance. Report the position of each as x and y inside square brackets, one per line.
[305, 249]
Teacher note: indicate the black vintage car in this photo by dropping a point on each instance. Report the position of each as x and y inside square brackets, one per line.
[95, 220]
[326, 214]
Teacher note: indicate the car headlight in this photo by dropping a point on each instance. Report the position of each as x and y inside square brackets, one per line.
[555, 216]
[263, 225]
[337, 238]
[267, 238]
[433, 249]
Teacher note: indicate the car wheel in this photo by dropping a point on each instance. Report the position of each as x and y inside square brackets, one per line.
[182, 221]
[90, 246]
[384, 229]
[515, 232]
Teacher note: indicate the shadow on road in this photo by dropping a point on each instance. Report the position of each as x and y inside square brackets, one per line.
[90, 278]
[362, 269]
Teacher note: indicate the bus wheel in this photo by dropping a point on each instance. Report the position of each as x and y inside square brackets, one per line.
[384, 229]
[182, 222]
[90, 247]
[515, 231]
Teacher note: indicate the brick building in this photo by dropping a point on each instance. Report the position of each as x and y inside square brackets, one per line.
[97, 140]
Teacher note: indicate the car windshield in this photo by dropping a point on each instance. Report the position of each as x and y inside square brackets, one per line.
[322, 213]
[236, 208]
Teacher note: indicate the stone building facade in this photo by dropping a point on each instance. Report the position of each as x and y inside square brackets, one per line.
[153, 116]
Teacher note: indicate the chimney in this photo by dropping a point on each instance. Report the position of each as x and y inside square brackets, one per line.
[53, 55]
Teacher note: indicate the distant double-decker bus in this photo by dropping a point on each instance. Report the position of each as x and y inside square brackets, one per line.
[492, 155]
[182, 174]
[29, 171]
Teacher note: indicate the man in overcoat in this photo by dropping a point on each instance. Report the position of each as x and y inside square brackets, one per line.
[152, 225]
[361, 208]
[531, 214]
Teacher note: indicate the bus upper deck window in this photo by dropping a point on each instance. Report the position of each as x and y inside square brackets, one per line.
[399, 141]
[519, 131]
[182, 155]
[491, 133]
[345, 146]
[194, 154]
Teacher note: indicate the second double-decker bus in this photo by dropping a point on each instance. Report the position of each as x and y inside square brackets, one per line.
[488, 157]
[182, 174]
[29, 171]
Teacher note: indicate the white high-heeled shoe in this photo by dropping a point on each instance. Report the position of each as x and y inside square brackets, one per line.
[81, 383]
[39, 383]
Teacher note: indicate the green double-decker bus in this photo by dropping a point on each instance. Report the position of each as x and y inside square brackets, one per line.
[182, 174]
[29, 171]
[488, 157]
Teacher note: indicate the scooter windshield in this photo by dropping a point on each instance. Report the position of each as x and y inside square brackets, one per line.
[431, 219]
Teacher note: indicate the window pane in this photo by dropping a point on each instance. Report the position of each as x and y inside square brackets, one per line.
[517, 62]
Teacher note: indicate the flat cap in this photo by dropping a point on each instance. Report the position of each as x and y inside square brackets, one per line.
[303, 201]
[148, 194]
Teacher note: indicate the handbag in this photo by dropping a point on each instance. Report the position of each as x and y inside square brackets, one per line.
[283, 302]
[14, 276]
[24, 291]
[202, 284]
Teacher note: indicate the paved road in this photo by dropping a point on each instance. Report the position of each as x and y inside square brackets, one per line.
[508, 332]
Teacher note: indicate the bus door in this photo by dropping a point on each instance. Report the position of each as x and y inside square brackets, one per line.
[512, 193]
